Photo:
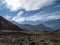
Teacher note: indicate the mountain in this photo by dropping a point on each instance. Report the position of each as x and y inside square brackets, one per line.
[39, 27]
[25, 26]
[28, 27]
[54, 24]
[31, 22]
[43, 27]
[7, 25]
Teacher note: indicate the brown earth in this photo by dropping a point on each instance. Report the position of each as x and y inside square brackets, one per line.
[8, 37]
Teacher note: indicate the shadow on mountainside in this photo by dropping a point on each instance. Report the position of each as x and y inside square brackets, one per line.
[7, 25]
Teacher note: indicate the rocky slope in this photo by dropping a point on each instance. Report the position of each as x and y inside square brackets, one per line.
[7, 25]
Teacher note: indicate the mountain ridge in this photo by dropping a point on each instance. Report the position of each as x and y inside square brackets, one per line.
[7, 25]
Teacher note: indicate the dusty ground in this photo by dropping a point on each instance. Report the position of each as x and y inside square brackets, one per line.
[8, 37]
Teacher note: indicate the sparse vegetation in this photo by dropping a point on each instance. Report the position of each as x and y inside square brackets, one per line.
[28, 38]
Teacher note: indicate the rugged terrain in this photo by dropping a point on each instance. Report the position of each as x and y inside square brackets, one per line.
[11, 34]
[9, 37]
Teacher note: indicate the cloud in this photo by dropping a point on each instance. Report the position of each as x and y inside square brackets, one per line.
[18, 17]
[27, 4]
[44, 17]
[13, 5]
[20, 13]
[36, 17]
[7, 17]
[30, 5]
[53, 17]
[2, 2]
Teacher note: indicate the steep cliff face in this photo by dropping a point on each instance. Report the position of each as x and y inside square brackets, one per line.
[7, 25]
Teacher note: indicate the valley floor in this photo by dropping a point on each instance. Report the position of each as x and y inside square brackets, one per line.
[9, 37]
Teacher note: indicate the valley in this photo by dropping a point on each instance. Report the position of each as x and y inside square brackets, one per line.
[9, 37]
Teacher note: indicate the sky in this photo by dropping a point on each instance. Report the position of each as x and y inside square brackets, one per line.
[30, 10]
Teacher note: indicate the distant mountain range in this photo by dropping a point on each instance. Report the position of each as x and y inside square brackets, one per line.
[50, 25]
[54, 24]
[39, 27]
[31, 22]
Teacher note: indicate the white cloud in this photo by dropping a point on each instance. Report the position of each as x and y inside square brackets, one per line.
[39, 16]
[18, 19]
[28, 5]
[13, 4]
[36, 17]
[20, 13]
[53, 17]
[2, 2]
[7, 16]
